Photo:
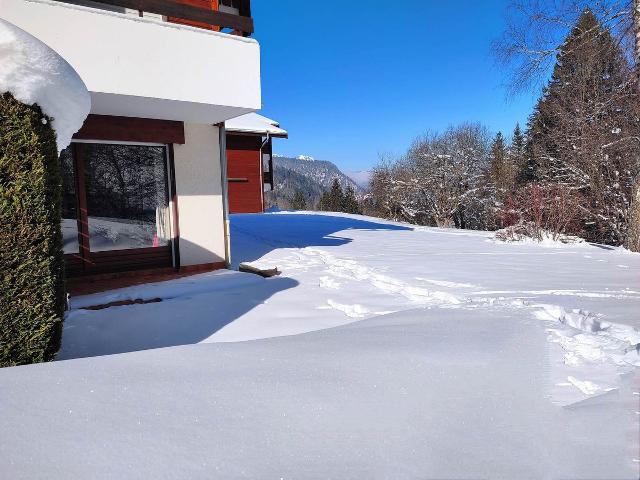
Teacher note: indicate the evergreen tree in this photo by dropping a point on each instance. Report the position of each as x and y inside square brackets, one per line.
[527, 170]
[350, 203]
[517, 153]
[299, 201]
[332, 200]
[499, 171]
[32, 296]
[578, 129]
[518, 142]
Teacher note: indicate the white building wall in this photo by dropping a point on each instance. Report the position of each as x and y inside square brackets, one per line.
[199, 189]
[143, 67]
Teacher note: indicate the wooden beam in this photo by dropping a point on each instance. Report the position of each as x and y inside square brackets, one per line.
[185, 12]
[131, 129]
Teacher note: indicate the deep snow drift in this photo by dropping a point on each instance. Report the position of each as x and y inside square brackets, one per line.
[34, 73]
[453, 356]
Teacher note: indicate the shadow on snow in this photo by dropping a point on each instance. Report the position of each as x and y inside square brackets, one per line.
[255, 235]
[194, 308]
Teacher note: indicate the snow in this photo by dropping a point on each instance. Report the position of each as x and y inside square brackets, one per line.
[306, 158]
[112, 234]
[255, 123]
[34, 73]
[383, 350]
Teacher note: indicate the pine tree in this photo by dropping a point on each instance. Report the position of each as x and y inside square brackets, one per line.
[538, 128]
[577, 130]
[518, 142]
[299, 201]
[350, 203]
[332, 200]
[500, 171]
[517, 153]
[633, 235]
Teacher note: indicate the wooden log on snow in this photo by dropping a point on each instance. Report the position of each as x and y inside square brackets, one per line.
[263, 272]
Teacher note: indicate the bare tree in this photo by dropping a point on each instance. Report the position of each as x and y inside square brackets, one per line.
[633, 236]
[536, 30]
[440, 181]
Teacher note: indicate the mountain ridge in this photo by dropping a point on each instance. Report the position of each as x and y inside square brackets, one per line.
[306, 174]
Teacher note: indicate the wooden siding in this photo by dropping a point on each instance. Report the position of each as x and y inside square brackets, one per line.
[212, 5]
[118, 261]
[130, 129]
[198, 13]
[244, 173]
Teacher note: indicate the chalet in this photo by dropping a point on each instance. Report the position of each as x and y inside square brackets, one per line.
[249, 161]
[145, 178]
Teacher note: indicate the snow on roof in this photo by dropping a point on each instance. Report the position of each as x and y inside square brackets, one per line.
[255, 123]
[34, 73]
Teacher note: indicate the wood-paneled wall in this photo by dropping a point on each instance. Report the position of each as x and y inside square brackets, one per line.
[207, 4]
[244, 172]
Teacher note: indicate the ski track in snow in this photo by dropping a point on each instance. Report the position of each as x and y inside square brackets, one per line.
[581, 334]
[350, 269]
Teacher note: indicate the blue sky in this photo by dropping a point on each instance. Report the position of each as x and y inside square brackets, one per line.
[352, 79]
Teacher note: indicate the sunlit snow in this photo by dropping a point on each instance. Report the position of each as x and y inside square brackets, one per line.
[383, 350]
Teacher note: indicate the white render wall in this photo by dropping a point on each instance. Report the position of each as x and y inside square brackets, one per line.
[143, 67]
[198, 180]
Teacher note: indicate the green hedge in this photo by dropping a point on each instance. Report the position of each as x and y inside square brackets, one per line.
[32, 295]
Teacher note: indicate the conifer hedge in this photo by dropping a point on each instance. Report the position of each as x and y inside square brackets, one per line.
[32, 295]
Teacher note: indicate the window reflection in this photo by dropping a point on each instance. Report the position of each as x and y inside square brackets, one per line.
[127, 196]
[69, 204]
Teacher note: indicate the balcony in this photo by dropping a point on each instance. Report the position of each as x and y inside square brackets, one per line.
[152, 58]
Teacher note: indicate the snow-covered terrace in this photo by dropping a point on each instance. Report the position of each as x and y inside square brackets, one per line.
[188, 74]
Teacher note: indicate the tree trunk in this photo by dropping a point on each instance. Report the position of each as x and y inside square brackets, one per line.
[636, 28]
[633, 234]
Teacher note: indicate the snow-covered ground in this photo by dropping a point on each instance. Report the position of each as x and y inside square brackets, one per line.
[382, 351]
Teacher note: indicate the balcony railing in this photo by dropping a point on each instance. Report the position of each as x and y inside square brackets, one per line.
[241, 24]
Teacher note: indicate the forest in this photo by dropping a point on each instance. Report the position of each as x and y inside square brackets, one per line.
[571, 171]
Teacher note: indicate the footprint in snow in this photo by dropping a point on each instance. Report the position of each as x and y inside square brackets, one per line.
[354, 311]
[329, 283]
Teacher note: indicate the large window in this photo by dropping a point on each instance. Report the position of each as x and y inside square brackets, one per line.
[70, 242]
[127, 196]
[116, 206]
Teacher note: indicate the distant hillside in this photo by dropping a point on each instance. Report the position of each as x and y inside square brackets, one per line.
[361, 177]
[312, 177]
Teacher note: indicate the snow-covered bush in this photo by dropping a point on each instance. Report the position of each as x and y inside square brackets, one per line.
[541, 211]
[528, 231]
[441, 181]
[42, 103]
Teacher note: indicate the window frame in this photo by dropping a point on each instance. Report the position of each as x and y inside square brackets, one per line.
[87, 262]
